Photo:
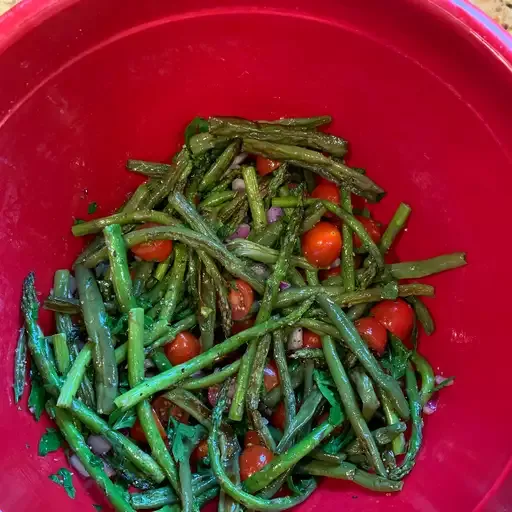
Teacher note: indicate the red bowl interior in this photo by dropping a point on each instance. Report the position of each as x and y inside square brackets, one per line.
[420, 89]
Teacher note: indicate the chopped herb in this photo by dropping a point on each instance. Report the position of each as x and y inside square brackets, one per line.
[98, 507]
[76, 221]
[37, 397]
[397, 357]
[390, 291]
[324, 382]
[64, 478]
[122, 419]
[184, 437]
[50, 442]
[93, 206]
[197, 125]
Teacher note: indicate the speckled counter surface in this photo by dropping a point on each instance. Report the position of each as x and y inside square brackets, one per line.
[499, 10]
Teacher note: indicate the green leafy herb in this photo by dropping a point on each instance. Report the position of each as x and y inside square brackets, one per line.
[99, 508]
[93, 206]
[336, 415]
[324, 383]
[117, 325]
[37, 397]
[447, 382]
[185, 437]
[397, 357]
[143, 303]
[64, 478]
[197, 125]
[76, 221]
[119, 419]
[50, 442]
[390, 291]
[334, 444]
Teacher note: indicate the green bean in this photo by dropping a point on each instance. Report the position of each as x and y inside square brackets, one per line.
[313, 215]
[127, 472]
[417, 426]
[306, 123]
[364, 388]
[61, 305]
[138, 199]
[193, 278]
[295, 278]
[20, 365]
[157, 292]
[320, 455]
[162, 268]
[347, 471]
[259, 217]
[398, 443]
[182, 371]
[152, 169]
[424, 268]
[308, 354]
[134, 217]
[269, 236]
[207, 311]
[95, 319]
[279, 177]
[216, 199]
[317, 162]
[119, 267]
[347, 253]
[428, 381]
[247, 249]
[220, 166]
[143, 272]
[191, 404]
[160, 359]
[75, 376]
[203, 142]
[245, 499]
[175, 287]
[360, 349]
[382, 436]
[305, 415]
[394, 227]
[287, 460]
[230, 209]
[422, 314]
[235, 127]
[350, 405]
[272, 398]
[357, 311]
[214, 378]
[91, 462]
[144, 411]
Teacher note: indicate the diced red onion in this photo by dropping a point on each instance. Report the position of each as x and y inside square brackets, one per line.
[108, 470]
[430, 407]
[238, 160]
[295, 339]
[440, 379]
[335, 263]
[99, 445]
[274, 213]
[242, 231]
[197, 375]
[283, 285]
[238, 185]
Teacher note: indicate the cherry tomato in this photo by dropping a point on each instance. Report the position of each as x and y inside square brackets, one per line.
[321, 245]
[242, 325]
[371, 227]
[157, 250]
[311, 340]
[164, 409]
[200, 451]
[373, 333]
[265, 165]
[184, 347]
[252, 459]
[330, 192]
[241, 297]
[329, 272]
[270, 376]
[396, 316]
[252, 437]
[278, 416]
[137, 434]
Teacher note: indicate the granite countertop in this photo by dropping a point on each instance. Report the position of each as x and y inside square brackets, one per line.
[499, 10]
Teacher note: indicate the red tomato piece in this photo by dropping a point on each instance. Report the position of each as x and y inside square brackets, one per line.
[371, 227]
[183, 348]
[265, 166]
[373, 333]
[252, 459]
[242, 325]
[328, 191]
[164, 409]
[252, 437]
[137, 434]
[311, 340]
[270, 376]
[241, 298]
[396, 316]
[157, 250]
[200, 451]
[322, 244]
[278, 416]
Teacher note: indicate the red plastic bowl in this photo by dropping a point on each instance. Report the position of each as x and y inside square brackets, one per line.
[422, 89]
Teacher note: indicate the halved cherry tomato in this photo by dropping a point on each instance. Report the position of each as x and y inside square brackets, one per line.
[252, 437]
[311, 340]
[164, 409]
[157, 250]
[242, 325]
[184, 347]
[270, 376]
[252, 459]
[278, 417]
[241, 297]
[373, 333]
[330, 192]
[137, 434]
[265, 165]
[200, 451]
[321, 245]
[329, 272]
[371, 227]
[396, 316]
